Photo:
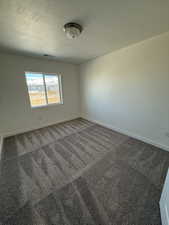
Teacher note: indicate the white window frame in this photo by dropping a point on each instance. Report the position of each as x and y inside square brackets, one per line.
[44, 83]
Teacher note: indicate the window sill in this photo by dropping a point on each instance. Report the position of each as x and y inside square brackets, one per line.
[46, 106]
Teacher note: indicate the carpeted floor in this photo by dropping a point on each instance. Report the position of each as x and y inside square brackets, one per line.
[80, 173]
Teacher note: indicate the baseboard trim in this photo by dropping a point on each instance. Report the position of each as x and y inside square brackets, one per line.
[24, 130]
[125, 132]
[1, 144]
[164, 202]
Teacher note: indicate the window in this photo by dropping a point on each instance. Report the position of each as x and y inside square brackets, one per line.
[44, 89]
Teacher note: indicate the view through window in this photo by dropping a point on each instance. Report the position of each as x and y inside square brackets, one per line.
[44, 89]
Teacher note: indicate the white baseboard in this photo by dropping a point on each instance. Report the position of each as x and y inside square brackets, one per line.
[23, 130]
[164, 202]
[1, 144]
[144, 139]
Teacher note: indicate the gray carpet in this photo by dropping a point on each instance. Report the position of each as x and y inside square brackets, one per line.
[80, 173]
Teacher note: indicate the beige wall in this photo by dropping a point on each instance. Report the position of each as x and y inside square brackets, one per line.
[128, 90]
[16, 114]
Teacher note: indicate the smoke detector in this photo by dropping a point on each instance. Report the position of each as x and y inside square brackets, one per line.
[72, 30]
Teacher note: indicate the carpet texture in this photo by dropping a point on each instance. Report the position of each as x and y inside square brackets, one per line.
[80, 173]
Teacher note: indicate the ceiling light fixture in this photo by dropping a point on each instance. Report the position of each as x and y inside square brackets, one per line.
[72, 30]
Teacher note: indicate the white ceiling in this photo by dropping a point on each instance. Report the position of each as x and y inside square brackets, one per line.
[34, 27]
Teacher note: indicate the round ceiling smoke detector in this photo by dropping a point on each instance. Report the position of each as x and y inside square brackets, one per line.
[72, 30]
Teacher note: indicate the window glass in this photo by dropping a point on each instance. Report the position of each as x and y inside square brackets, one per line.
[52, 89]
[36, 89]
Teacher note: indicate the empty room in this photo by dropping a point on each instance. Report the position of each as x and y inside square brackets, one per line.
[84, 112]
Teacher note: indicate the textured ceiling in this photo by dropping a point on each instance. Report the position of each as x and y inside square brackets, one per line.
[34, 27]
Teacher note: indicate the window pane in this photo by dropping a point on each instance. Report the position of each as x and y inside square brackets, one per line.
[36, 89]
[52, 88]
